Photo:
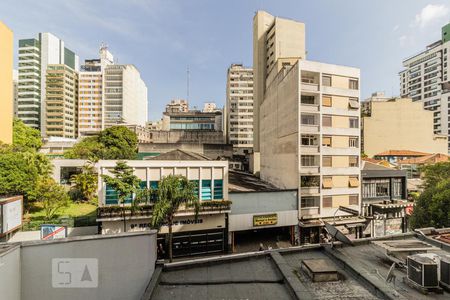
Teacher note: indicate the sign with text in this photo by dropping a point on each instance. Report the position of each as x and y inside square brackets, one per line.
[263, 220]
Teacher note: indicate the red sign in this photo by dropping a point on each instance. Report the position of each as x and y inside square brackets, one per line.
[409, 209]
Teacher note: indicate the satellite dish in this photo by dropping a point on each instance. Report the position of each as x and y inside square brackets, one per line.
[336, 234]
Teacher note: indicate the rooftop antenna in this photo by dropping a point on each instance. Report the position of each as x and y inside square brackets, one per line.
[187, 87]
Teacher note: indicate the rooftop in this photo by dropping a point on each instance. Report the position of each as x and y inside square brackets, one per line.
[245, 182]
[427, 159]
[178, 154]
[362, 272]
[401, 153]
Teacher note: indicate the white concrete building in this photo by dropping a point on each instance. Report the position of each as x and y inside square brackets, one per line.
[34, 56]
[125, 96]
[239, 108]
[426, 78]
[90, 95]
[15, 92]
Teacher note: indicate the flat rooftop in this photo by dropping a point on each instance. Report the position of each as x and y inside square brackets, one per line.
[245, 182]
[278, 274]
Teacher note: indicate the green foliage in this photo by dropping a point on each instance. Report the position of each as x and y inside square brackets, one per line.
[26, 138]
[173, 191]
[52, 196]
[117, 142]
[124, 182]
[86, 182]
[432, 207]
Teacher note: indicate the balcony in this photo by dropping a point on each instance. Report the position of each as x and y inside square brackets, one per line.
[309, 170]
[309, 212]
[310, 190]
[309, 149]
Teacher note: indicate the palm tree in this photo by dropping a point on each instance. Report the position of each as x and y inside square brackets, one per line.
[125, 183]
[86, 182]
[173, 192]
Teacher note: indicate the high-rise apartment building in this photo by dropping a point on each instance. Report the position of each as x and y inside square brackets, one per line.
[308, 121]
[426, 78]
[124, 96]
[15, 92]
[239, 108]
[61, 102]
[90, 95]
[6, 84]
[34, 57]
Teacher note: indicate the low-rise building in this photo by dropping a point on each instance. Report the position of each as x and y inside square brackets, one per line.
[412, 165]
[210, 229]
[394, 156]
[192, 120]
[400, 124]
[384, 200]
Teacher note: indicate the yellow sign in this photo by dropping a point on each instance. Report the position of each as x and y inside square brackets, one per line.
[263, 220]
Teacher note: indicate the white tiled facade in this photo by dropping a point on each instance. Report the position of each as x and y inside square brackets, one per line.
[240, 107]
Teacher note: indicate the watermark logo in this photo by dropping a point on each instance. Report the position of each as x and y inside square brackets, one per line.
[75, 272]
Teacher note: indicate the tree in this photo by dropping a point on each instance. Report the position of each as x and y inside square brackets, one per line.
[117, 142]
[52, 196]
[26, 138]
[86, 182]
[125, 183]
[432, 207]
[173, 192]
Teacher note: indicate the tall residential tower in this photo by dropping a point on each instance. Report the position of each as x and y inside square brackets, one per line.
[426, 78]
[34, 56]
[239, 108]
[6, 84]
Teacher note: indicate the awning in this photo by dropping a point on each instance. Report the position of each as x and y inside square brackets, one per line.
[353, 182]
[327, 182]
[353, 103]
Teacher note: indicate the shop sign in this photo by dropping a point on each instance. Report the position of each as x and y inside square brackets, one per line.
[263, 220]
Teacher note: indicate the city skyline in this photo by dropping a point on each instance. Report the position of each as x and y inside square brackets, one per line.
[163, 38]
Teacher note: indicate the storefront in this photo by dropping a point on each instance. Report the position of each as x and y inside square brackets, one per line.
[205, 235]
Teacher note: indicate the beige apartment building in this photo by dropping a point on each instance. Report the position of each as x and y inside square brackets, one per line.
[6, 83]
[239, 108]
[61, 101]
[307, 115]
[401, 124]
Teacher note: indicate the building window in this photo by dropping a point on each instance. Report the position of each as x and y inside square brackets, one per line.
[308, 100]
[353, 142]
[308, 120]
[353, 181]
[308, 161]
[375, 188]
[326, 161]
[309, 140]
[353, 84]
[206, 190]
[309, 181]
[326, 121]
[327, 182]
[353, 161]
[353, 200]
[353, 122]
[309, 202]
[397, 188]
[218, 189]
[326, 101]
[326, 80]
[326, 141]
[327, 201]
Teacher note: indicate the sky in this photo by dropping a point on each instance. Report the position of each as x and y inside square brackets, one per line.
[162, 38]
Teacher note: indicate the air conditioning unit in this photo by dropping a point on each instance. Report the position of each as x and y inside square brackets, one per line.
[423, 270]
[445, 271]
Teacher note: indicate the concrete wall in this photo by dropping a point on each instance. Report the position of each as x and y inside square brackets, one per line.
[10, 274]
[35, 235]
[401, 125]
[6, 84]
[279, 131]
[125, 265]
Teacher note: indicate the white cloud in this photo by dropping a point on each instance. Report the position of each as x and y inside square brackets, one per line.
[431, 14]
[396, 27]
